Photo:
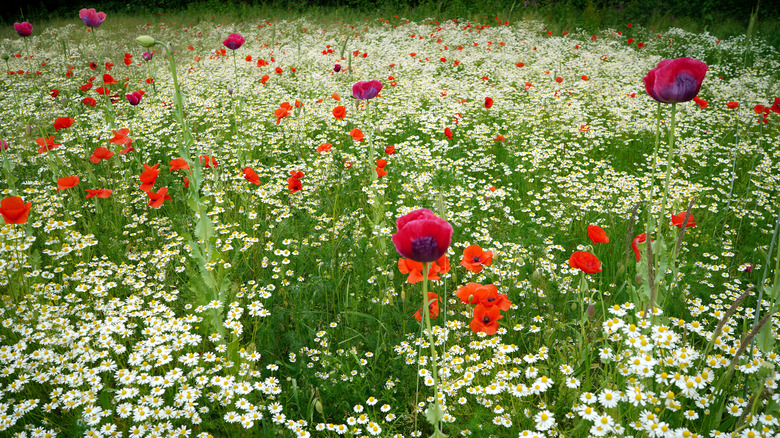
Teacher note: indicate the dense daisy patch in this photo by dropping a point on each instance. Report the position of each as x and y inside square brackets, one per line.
[387, 228]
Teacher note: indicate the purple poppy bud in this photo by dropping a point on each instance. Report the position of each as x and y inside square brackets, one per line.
[365, 90]
[23, 29]
[147, 56]
[91, 18]
[337, 68]
[134, 98]
[675, 80]
[234, 41]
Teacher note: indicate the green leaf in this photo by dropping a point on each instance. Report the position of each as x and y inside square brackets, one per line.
[434, 415]
[765, 341]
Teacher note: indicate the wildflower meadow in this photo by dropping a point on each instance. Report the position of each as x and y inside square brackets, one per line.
[302, 226]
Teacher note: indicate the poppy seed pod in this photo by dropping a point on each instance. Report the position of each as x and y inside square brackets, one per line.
[675, 80]
[145, 40]
[6, 57]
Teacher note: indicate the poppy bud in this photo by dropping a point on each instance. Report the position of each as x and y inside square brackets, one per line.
[390, 275]
[28, 129]
[318, 406]
[536, 276]
[230, 91]
[6, 57]
[591, 311]
[621, 269]
[145, 40]
[638, 279]
[403, 295]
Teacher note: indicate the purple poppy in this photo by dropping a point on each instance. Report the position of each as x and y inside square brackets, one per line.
[147, 56]
[675, 80]
[337, 68]
[91, 18]
[422, 236]
[3, 145]
[234, 41]
[365, 90]
[23, 29]
[134, 98]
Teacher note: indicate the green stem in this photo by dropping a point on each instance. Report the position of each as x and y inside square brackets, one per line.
[427, 317]
[653, 170]
[662, 214]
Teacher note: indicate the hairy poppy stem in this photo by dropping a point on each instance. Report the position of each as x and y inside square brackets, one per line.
[427, 317]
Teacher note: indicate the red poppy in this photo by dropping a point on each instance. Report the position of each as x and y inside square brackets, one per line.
[732, 105]
[630, 41]
[488, 296]
[380, 172]
[640, 45]
[89, 101]
[296, 174]
[414, 269]
[485, 319]
[54, 92]
[14, 210]
[63, 123]
[148, 177]
[100, 153]
[265, 79]
[701, 102]
[108, 79]
[99, 193]
[324, 147]
[120, 137]
[634, 244]
[468, 292]
[520, 64]
[597, 234]
[488, 102]
[339, 112]
[178, 163]
[186, 181]
[422, 236]
[251, 176]
[108, 66]
[357, 135]
[207, 162]
[279, 70]
[282, 112]
[294, 184]
[499, 137]
[93, 66]
[46, 144]
[584, 77]
[585, 261]
[128, 147]
[156, 199]
[67, 182]
[677, 220]
[474, 258]
[433, 307]
[390, 150]
[448, 133]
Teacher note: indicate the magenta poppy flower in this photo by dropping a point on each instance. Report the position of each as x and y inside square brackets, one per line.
[147, 56]
[134, 98]
[233, 41]
[422, 236]
[91, 18]
[23, 29]
[675, 80]
[337, 68]
[365, 90]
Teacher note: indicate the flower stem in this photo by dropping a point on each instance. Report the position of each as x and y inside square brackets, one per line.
[427, 319]
[662, 214]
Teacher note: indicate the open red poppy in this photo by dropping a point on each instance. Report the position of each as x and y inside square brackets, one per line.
[474, 258]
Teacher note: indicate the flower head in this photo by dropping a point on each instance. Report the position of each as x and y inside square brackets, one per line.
[91, 18]
[251, 176]
[597, 234]
[585, 261]
[63, 123]
[234, 41]
[365, 90]
[422, 236]
[67, 182]
[485, 319]
[474, 258]
[14, 210]
[675, 80]
[433, 307]
[134, 98]
[147, 56]
[24, 29]
[156, 199]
